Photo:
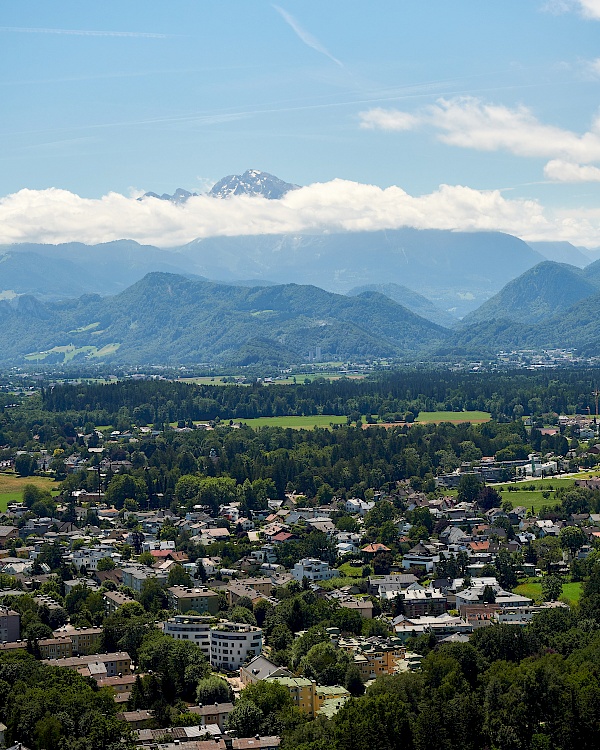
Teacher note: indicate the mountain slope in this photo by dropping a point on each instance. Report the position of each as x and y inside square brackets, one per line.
[170, 319]
[455, 270]
[535, 296]
[411, 300]
[561, 252]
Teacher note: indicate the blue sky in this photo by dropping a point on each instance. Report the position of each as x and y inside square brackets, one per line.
[116, 96]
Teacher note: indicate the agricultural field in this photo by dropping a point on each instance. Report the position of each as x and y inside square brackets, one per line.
[11, 487]
[296, 423]
[455, 417]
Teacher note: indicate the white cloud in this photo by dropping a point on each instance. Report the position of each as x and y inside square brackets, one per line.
[388, 119]
[590, 8]
[55, 215]
[586, 8]
[564, 171]
[470, 123]
[592, 67]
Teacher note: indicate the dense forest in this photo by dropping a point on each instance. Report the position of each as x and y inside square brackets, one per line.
[389, 395]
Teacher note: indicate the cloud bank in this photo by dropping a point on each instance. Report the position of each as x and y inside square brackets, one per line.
[468, 122]
[55, 215]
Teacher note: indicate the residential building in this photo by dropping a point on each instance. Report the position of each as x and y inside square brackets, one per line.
[214, 713]
[307, 695]
[232, 644]
[313, 570]
[97, 665]
[260, 668]
[200, 599]
[84, 640]
[113, 600]
[10, 625]
[195, 629]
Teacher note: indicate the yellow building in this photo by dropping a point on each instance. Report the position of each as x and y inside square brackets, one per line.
[307, 695]
[374, 656]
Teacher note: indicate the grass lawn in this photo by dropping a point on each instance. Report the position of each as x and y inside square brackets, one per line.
[350, 571]
[533, 498]
[296, 423]
[456, 417]
[571, 592]
[11, 487]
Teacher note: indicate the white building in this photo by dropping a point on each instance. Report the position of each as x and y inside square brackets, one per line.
[227, 645]
[233, 644]
[195, 629]
[313, 569]
[356, 505]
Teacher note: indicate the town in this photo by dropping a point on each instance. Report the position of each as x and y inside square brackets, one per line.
[220, 613]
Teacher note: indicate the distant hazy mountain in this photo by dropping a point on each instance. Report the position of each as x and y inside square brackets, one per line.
[561, 252]
[71, 269]
[170, 319]
[592, 273]
[457, 271]
[414, 302]
[252, 182]
[538, 294]
[179, 196]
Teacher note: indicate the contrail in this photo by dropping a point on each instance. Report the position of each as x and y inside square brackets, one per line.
[83, 32]
[305, 36]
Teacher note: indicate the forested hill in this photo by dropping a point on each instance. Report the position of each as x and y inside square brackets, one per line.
[389, 395]
[170, 319]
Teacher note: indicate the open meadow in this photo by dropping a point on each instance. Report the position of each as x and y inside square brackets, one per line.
[11, 487]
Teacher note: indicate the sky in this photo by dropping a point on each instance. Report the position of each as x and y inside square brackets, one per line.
[463, 115]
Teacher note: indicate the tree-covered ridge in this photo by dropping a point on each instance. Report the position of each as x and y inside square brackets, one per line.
[170, 319]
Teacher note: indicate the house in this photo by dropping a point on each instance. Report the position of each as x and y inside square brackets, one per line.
[313, 569]
[260, 668]
[420, 557]
[214, 713]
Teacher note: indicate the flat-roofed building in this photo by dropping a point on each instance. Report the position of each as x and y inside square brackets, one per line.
[200, 599]
[10, 625]
[233, 643]
[192, 628]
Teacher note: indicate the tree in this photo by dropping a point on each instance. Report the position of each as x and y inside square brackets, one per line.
[571, 538]
[152, 596]
[213, 690]
[106, 563]
[245, 719]
[25, 464]
[382, 562]
[353, 682]
[469, 488]
[488, 498]
[123, 486]
[551, 587]
[179, 577]
[548, 551]
[325, 663]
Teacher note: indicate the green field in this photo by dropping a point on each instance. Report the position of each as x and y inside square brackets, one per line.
[533, 498]
[11, 487]
[349, 571]
[296, 423]
[571, 592]
[456, 417]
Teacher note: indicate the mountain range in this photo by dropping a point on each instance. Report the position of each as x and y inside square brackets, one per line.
[170, 319]
[393, 293]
